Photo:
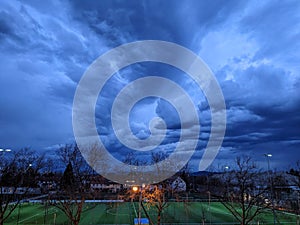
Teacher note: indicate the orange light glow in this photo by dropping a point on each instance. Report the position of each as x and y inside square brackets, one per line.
[135, 188]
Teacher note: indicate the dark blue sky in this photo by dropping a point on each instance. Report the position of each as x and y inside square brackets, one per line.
[251, 46]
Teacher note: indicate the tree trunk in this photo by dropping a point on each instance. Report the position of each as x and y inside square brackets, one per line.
[146, 213]
[243, 221]
[158, 218]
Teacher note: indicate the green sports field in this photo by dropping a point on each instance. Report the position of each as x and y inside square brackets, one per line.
[124, 213]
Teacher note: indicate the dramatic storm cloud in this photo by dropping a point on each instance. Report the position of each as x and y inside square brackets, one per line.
[251, 47]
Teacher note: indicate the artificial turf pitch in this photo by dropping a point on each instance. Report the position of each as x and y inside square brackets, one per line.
[124, 213]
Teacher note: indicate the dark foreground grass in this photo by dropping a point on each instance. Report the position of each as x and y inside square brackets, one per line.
[123, 213]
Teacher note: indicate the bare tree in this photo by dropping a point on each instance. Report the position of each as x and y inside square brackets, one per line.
[244, 194]
[71, 199]
[154, 196]
[17, 175]
[74, 187]
[70, 153]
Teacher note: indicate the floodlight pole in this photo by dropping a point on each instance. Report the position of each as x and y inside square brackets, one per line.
[135, 189]
[209, 200]
[268, 156]
[140, 205]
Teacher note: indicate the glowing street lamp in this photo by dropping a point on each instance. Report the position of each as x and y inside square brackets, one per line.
[135, 188]
[268, 156]
[5, 150]
[2, 150]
